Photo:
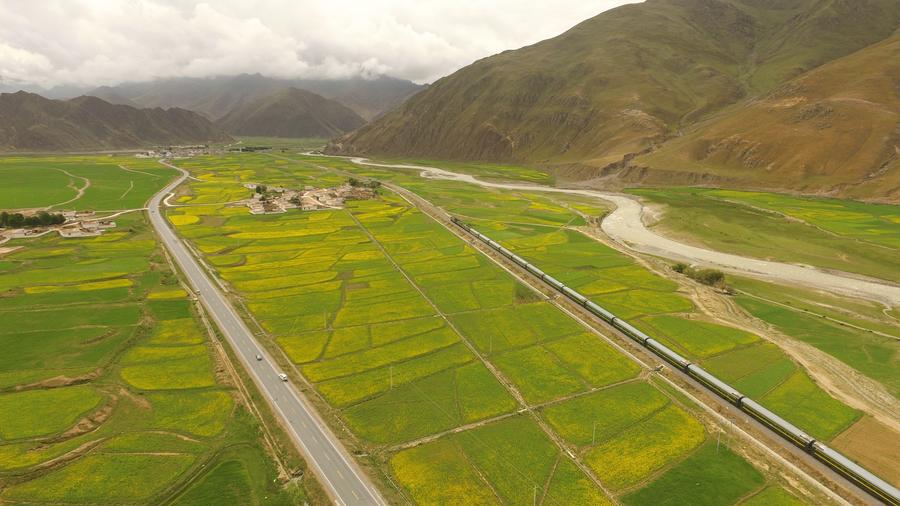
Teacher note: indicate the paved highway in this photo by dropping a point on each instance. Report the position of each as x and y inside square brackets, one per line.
[334, 467]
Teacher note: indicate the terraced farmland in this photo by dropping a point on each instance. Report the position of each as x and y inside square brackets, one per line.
[428, 353]
[110, 389]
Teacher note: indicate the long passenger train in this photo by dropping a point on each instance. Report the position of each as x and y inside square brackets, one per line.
[859, 475]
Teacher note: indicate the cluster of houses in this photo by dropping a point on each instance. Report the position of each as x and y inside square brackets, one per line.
[175, 152]
[275, 199]
[78, 224]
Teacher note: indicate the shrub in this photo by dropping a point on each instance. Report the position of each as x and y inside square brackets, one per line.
[709, 277]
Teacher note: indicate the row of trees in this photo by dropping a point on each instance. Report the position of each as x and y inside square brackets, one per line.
[364, 183]
[41, 219]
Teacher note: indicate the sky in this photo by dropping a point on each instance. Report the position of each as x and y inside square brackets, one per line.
[105, 42]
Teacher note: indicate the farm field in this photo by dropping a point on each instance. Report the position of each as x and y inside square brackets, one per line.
[55, 182]
[833, 234]
[425, 350]
[799, 314]
[110, 390]
[617, 282]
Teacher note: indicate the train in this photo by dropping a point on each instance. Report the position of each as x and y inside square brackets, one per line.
[866, 480]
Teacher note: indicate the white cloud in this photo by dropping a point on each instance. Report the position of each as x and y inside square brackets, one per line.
[92, 42]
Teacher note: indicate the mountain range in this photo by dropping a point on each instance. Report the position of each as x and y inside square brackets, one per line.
[291, 113]
[30, 122]
[217, 96]
[656, 92]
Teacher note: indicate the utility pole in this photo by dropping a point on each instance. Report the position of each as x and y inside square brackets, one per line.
[535, 495]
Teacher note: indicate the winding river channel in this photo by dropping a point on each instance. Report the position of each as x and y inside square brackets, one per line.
[626, 226]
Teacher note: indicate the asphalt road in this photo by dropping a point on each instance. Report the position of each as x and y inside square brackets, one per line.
[334, 467]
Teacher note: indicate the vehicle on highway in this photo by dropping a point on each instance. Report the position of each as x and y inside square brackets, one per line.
[258, 358]
[283, 377]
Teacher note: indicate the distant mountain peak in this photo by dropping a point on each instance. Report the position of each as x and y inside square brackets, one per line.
[30, 122]
[291, 112]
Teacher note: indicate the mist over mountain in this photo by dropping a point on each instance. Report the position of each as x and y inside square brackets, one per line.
[217, 96]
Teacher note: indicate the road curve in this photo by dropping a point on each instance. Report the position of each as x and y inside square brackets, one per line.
[334, 467]
[625, 226]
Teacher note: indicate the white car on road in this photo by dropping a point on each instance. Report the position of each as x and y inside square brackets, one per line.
[283, 376]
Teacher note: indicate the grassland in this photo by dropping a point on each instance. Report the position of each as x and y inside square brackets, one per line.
[857, 333]
[110, 391]
[55, 182]
[833, 234]
[408, 333]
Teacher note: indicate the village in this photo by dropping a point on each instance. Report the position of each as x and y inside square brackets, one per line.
[68, 224]
[275, 199]
[172, 152]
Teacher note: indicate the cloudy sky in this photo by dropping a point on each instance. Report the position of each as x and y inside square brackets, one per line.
[94, 42]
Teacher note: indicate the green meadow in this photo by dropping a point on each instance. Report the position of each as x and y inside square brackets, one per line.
[426, 350]
[107, 182]
[844, 235]
[109, 390]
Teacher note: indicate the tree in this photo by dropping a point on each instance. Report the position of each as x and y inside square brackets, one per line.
[4, 219]
[16, 220]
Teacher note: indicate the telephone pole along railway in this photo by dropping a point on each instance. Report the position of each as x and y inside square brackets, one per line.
[342, 479]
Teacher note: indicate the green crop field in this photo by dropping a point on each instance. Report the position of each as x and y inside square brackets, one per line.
[422, 347]
[619, 284]
[855, 332]
[835, 234]
[55, 182]
[108, 384]
[732, 477]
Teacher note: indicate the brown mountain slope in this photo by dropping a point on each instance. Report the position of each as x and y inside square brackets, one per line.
[835, 129]
[291, 113]
[623, 81]
[30, 122]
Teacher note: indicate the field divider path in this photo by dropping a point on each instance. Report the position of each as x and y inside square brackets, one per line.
[824, 317]
[340, 475]
[475, 425]
[510, 387]
[79, 191]
[727, 415]
[626, 227]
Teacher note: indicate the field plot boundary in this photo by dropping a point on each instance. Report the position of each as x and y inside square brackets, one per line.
[443, 218]
[839, 463]
[488, 364]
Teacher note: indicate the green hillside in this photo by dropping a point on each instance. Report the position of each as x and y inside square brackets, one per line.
[622, 82]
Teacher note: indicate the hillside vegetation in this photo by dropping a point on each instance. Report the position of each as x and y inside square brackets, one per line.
[622, 83]
[833, 129]
[291, 113]
[29, 122]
